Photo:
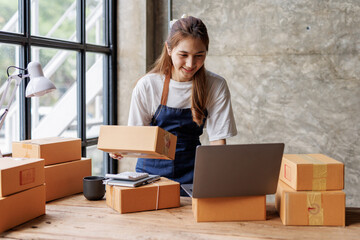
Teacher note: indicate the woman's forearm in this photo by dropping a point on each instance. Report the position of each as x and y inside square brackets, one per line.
[218, 142]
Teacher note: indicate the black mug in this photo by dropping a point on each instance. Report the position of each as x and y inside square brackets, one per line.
[93, 187]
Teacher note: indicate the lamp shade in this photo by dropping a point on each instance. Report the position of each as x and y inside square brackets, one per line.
[38, 85]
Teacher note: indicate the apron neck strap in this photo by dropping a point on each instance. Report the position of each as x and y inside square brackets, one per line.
[165, 92]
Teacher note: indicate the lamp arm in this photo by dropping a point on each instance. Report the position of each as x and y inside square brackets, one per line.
[5, 92]
[17, 79]
[19, 68]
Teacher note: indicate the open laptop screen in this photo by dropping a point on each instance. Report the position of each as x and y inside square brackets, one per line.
[237, 170]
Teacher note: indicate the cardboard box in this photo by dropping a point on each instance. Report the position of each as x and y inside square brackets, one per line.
[161, 194]
[245, 208]
[324, 208]
[21, 207]
[66, 179]
[138, 141]
[52, 150]
[18, 174]
[312, 172]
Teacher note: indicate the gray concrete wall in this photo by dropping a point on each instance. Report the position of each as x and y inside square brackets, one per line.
[142, 29]
[293, 68]
[131, 58]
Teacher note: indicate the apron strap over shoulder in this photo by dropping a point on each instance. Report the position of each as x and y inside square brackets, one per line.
[165, 92]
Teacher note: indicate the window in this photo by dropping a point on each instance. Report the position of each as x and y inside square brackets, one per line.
[75, 42]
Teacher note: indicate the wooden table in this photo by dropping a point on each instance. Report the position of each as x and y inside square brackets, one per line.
[77, 218]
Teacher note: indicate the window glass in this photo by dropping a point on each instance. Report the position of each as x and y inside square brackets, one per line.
[54, 19]
[94, 93]
[55, 114]
[9, 132]
[9, 16]
[97, 162]
[95, 22]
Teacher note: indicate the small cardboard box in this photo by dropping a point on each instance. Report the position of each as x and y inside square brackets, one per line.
[324, 208]
[21, 207]
[138, 141]
[245, 208]
[52, 150]
[161, 194]
[312, 172]
[18, 174]
[66, 179]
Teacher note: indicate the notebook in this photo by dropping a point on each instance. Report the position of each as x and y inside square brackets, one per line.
[131, 183]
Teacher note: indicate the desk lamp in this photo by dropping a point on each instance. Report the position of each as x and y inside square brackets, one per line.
[38, 86]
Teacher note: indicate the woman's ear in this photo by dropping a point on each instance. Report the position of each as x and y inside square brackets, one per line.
[168, 49]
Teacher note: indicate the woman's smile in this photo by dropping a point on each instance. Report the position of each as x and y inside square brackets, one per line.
[190, 70]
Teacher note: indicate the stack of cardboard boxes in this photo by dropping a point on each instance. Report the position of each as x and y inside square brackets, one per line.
[310, 190]
[22, 191]
[64, 167]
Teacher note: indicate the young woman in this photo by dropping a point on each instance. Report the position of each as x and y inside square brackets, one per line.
[180, 96]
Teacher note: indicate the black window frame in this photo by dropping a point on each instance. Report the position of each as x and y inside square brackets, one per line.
[25, 41]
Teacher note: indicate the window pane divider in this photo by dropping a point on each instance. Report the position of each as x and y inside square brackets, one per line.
[26, 41]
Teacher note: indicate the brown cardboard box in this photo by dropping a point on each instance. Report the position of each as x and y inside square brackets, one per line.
[138, 141]
[52, 150]
[312, 172]
[65, 179]
[21, 207]
[325, 208]
[18, 174]
[161, 194]
[229, 209]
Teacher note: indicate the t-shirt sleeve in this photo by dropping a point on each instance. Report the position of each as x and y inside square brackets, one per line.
[220, 123]
[140, 109]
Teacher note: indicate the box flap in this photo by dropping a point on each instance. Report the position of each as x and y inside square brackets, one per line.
[310, 159]
[9, 162]
[129, 138]
[49, 140]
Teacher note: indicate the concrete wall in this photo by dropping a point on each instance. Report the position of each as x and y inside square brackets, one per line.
[293, 68]
[142, 29]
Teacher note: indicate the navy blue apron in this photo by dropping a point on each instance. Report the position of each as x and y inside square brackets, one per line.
[180, 123]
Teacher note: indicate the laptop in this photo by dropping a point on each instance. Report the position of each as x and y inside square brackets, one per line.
[235, 170]
[131, 183]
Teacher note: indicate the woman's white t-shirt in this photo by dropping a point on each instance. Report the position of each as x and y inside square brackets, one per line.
[146, 98]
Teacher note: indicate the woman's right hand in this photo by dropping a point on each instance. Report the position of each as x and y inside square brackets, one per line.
[116, 156]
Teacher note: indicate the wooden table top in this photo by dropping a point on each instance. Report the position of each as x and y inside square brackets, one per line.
[75, 217]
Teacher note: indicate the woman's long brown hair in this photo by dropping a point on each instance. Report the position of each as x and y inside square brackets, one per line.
[185, 28]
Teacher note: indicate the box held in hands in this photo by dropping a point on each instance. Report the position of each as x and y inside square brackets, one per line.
[138, 141]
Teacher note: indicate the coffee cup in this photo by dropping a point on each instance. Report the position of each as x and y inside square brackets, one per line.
[93, 187]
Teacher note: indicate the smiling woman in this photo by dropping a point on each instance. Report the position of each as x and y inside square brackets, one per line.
[187, 58]
[180, 96]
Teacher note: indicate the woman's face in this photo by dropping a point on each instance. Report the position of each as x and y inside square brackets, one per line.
[187, 57]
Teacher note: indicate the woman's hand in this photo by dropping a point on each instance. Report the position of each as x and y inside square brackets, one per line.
[116, 156]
